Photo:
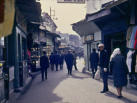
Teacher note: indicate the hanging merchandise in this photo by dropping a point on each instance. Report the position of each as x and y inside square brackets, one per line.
[135, 45]
[129, 59]
[132, 39]
[1, 11]
[129, 32]
[7, 17]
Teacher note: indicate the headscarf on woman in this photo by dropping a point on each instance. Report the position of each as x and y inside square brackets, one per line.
[115, 52]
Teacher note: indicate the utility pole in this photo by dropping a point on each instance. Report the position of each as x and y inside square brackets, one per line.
[52, 14]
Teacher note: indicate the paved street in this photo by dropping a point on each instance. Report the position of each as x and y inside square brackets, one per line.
[79, 88]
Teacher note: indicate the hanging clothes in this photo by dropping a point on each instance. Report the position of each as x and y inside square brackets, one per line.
[129, 32]
[132, 39]
[135, 45]
[129, 60]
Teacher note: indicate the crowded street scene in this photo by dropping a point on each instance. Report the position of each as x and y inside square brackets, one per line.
[68, 51]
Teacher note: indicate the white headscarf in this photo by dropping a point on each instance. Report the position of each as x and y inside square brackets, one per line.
[115, 52]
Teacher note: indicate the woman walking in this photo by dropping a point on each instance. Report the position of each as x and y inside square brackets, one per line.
[119, 70]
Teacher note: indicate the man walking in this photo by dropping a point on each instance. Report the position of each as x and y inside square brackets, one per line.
[51, 58]
[69, 61]
[61, 61]
[103, 63]
[94, 58]
[56, 58]
[75, 60]
[44, 63]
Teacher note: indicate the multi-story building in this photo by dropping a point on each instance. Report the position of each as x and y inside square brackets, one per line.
[70, 1]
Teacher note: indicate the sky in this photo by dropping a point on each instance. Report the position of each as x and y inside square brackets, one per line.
[65, 13]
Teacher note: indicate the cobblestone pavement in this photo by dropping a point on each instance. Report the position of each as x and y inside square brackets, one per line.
[78, 88]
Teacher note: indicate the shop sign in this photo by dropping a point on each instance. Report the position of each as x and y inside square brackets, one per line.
[70, 1]
[89, 38]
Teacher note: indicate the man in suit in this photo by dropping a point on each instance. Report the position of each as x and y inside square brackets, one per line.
[75, 60]
[61, 60]
[69, 61]
[94, 62]
[44, 63]
[56, 58]
[51, 58]
[103, 63]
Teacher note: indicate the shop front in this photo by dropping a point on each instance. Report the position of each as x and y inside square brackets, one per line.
[3, 77]
[90, 42]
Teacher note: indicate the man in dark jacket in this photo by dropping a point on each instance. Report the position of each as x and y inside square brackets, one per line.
[51, 58]
[56, 58]
[94, 58]
[103, 63]
[75, 60]
[69, 61]
[61, 60]
[44, 64]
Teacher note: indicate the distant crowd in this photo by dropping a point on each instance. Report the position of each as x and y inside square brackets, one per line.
[56, 60]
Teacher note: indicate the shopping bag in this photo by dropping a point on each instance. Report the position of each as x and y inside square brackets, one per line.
[97, 75]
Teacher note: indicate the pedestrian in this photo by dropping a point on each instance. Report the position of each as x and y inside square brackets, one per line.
[56, 58]
[119, 70]
[75, 60]
[61, 61]
[94, 59]
[51, 58]
[103, 63]
[69, 62]
[44, 64]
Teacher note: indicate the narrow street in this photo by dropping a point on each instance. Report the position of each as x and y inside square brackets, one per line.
[78, 88]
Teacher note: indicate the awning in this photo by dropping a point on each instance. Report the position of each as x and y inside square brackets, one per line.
[6, 24]
[114, 21]
[85, 28]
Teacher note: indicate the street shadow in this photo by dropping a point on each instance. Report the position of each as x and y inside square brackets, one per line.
[124, 99]
[43, 91]
[79, 75]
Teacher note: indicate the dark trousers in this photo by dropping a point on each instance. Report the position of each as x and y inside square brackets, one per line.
[75, 65]
[61, 66]
[56, 67]
[69, 69]
[105, 79]
[44, 73]
[52, 66]
[94, 69]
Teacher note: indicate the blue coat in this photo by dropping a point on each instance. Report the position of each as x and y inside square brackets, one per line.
[51, 58]
[69, 58]
[44, 62]
[56, 58]
[61, 60]
[119, 71]
[94, 58]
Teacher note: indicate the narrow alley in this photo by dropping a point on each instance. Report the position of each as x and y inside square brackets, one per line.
[78, 88]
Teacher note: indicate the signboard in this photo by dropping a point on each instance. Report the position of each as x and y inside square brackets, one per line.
[71, 1]
[89, 38]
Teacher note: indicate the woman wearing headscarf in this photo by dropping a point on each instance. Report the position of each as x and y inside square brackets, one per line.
[119, 70]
